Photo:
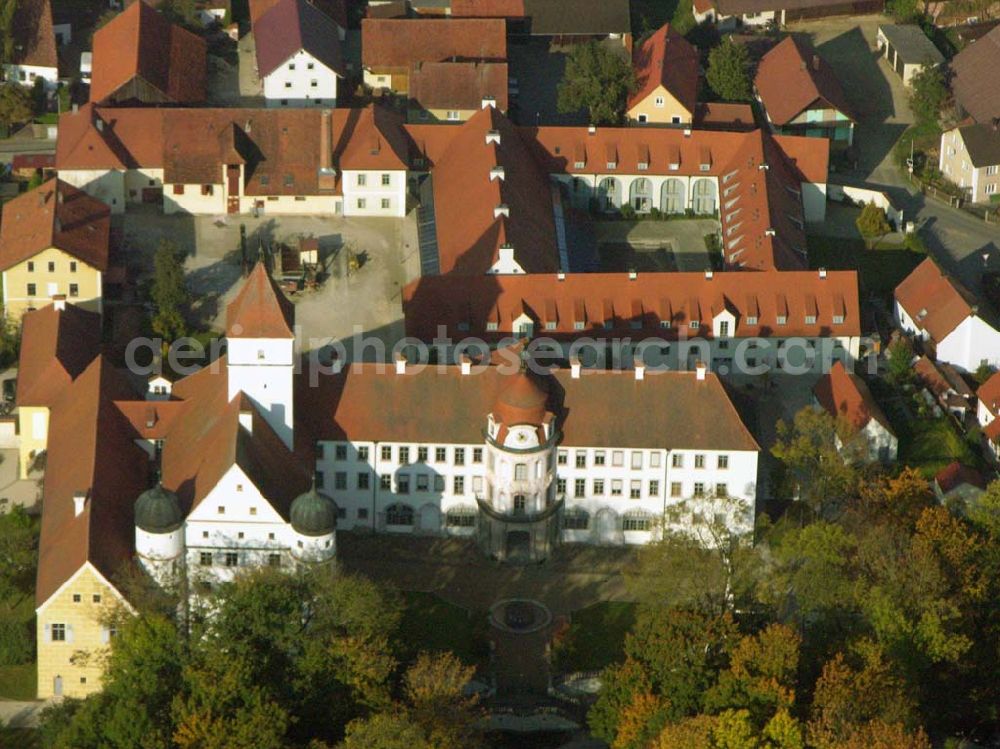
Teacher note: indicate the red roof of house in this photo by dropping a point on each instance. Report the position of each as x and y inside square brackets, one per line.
[666, 59]
[989, 393]
[33, 161]
[844, 395]
[335, 9]
[613, 304]
[716, 115]
[56, 347]
[34, 34]
[393, 42]
[458, 85]
[260, 310]
[792, 77]
[292, 25]
[941, 379]
[487, 8]
[55, 214]
[140, 43]
[955, 474]
[934, 300]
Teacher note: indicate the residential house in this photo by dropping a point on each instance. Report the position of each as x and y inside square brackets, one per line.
[970, 157]
[730, 321]
[454, 91]
[666, 70]
[728, 14]
[716, 115]
[974, 88]
[238, 161]
[391, 48]
[299, 57]
[938, 310]
[944, 386]
[987, 410]
[35, 52]
[864, 432]
[907, 49]
[957, 483]
[141, 58]
[54, 241]
[800, 94]
[336, 10]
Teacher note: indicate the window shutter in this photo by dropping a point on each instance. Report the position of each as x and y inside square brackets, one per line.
[105, 635]
[48, 633]
[69, 633]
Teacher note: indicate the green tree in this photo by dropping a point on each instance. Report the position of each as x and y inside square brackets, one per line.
[8, 8]
[904, 11]
[385, 731]
[729, 72]
[872, 223]
[899, 362]
[808, 449]
[15, 105]
[597, 79]
[169, 293]
[928, 94]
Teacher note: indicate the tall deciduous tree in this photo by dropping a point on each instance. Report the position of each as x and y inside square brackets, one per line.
[928, 94]
[729, 71]
[808, 449]
[597, 79]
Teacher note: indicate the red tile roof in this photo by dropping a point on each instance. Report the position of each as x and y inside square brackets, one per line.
[140, 44]
[292, 25]
[335, 9]
[458, 85]
[56, 347]
[975, 89]
[55, 214]
[955, 475]
[844, 395]
[942, 379]
[91, 450]
[666, 59]
[792, 77]
[35, 38]
[466, 196]
[33, 161]
[487, 8]
[609, 304]
[260, 310]
[989, 393]
[599, 409]
[723, 116]
[392, 42]
[106, 138]
[934, 300]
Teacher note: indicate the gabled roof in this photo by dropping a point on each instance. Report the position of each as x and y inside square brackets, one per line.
[293, 25]
[989, 393]
[942, 379]
[666, 59]
[56, 347]
[844, 395]
[667, 410]
[954, 475]
[140, 43]
[393, 42]
[458, 85]
[975, 89]
[107, 138]
[467, 192]
[260, 309]
[34, 36]
[912, 45]
[55, 214]
[91, 450]
[792, 77]
[368, 139]
[614, 304]
[335, 9]
[934, 300]
[982, 141]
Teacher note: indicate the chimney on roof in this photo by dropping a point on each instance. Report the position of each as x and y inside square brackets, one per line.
[497, 172]
[99, 124]
[640, 370]
[769, 232]
[560, 276]
[400, 363]
[59, 302]
[822, 272]
[488, 102]
[325, 139]
[709, 274]
[501, 209]
[76, 108]
[505, 255]
[466, 363]
[687, 132]
[79, 502]
[815, 62]
[700, 370]
[493, 136]
[592, 129]
[763, 167]
[574, 367]
[632, 275]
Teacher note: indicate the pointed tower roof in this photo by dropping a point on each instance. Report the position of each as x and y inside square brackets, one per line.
[260, 310]
[522, 400]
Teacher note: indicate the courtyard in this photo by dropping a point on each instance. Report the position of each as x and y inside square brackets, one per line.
[655, 245]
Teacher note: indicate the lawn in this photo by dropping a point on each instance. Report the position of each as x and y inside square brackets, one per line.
[596, 637]
[432, 624]
[931, 444]
[880, 269]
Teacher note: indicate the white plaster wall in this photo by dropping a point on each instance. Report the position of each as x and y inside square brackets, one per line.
[373, 192]
[974, 341]
[105, 185]
[192, 201]
[288, 205]
[296, 87]
[26, 75]
[263, 369]
[138, 179]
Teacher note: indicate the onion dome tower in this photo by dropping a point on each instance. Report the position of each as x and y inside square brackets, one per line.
[519, 514]
[313, 516]
[159, 533]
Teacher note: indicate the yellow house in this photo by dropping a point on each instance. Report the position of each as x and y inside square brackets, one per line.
[54, 241]
[87, 529]
[57, 343]
[666, 71]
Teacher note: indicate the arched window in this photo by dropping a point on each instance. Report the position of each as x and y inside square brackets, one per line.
[636, 521]
[576, 520]
[609, 197]
[399, 514]
[703, 196]
[641, 195]
[461, 517]
[672, 196]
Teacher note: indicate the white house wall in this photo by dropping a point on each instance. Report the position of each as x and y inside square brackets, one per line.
[193, 201]
[137, 180]
[373, 193]
[973, 342]
[106, 185]
[290, 84]
[26, 75]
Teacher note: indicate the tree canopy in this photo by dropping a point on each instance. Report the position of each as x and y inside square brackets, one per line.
[169, 293]
[928, 94]
[729, 72]
[599, 80]
[16, 104]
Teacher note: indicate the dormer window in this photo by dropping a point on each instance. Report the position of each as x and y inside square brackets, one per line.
[491, 326]
[810, 319]
[665, 324]
[612, 165]
[782, 319]
[643, 166]
[751, 319]
[838, 319]
[694, 324]
[579, 165]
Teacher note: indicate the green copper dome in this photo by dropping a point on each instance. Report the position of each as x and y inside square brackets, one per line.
[314, 514]
[158, 511]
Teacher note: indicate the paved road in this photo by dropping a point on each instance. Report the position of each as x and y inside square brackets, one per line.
[20, 714]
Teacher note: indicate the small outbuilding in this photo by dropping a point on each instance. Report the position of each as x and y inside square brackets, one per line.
[907, 49]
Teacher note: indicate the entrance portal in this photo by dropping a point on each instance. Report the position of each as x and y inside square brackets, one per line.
[518, 546]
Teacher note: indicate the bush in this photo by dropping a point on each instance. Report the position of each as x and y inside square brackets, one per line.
[16, 641]
[628, 212]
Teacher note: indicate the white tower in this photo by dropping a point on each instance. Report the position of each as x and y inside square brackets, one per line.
[313, 517]
[261, 350]
[159, 533]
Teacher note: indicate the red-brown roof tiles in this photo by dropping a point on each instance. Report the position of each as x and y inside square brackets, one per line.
[292, 25]
[844, 395]
[792, 77]
[487, 8]
[391, 42]
[458, 85]
[260, 310]
[55, 214]
[666, 59]
[989, 394]
[34, 35]
[140, 44]
[56, 347]
[934, 300]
